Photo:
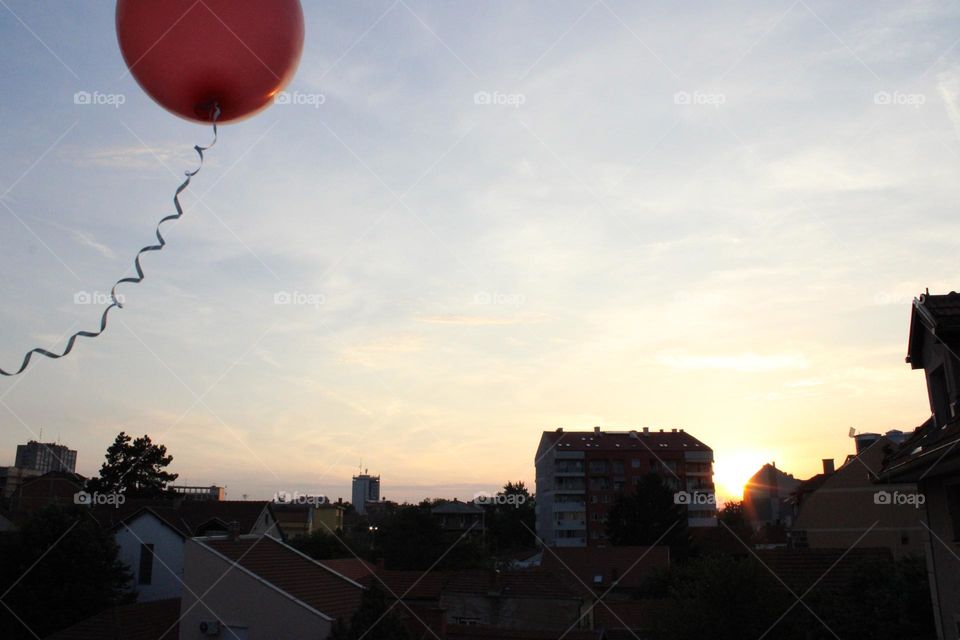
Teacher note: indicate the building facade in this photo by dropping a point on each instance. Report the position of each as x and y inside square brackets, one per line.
[581, 473]
[366, 488]
[213, 492]
[46, 457]
[930, 456]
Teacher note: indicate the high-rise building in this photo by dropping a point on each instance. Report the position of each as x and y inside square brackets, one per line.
[366, 488]
[581, 473]
[45, 457]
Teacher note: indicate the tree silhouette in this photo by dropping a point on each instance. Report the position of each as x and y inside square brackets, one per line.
[60, 568]
[134, 468]
[648, 515]
[374, 620]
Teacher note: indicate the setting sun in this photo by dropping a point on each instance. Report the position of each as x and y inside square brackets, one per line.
[732, 470]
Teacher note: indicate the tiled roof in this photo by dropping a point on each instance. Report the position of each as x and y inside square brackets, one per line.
[933, 314]
[141, 621]
[802, 569]
[299, 576]
[662, 440]
[600, 567]
[186, 516]
[925, 453]
[456, 507]
[533, 583]
[412, 585]
[353, 568]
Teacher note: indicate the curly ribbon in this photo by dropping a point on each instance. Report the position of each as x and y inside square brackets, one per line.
[215, 114]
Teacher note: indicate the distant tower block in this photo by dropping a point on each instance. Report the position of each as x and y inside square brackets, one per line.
[366, 488]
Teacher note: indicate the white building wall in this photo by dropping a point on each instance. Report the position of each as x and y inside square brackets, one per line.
[249, 607]
[168, 560]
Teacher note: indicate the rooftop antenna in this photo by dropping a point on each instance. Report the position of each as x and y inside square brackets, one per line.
[41, 434]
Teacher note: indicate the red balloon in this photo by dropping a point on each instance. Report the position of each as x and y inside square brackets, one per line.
[189, 55]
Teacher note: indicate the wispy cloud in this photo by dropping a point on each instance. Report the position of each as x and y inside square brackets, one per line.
[88, 240]
[482, 321]
[742, 362]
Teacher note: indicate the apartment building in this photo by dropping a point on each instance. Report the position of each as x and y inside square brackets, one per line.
[45, 457]
[580, 474]
[366, 488]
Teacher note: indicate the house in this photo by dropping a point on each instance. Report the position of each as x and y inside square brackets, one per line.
[53, 487]
[304, 518]
[766, 497]
[532, 599]
[258, 588]
[847, 507]
[157, 620]
[930, 457]
[152, 534]
[581, 473]
[618, 572]
[459, 517]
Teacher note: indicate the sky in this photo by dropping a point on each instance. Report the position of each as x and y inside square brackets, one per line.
[477, 222]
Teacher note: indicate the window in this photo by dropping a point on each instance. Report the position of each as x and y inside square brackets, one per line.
[145, 575]
[635, 464]
[953, 508]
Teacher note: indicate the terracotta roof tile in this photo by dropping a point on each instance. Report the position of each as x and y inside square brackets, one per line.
[353, 568]
[303, 578]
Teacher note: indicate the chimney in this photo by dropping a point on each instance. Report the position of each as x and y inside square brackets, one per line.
[596, 431]
[673, 430]
[559, 429]
[646, 429]
[233, 530]
[828, 466]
